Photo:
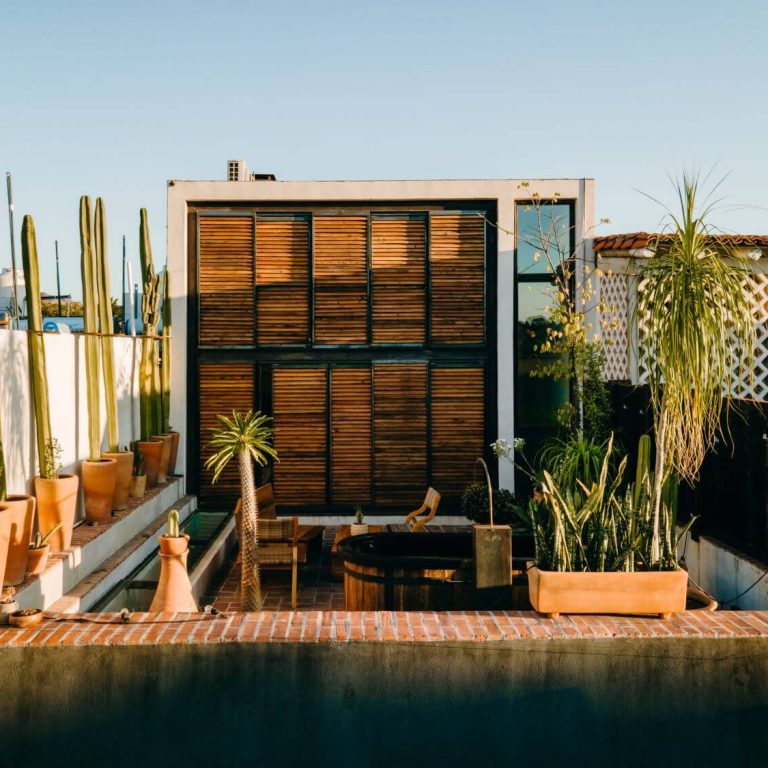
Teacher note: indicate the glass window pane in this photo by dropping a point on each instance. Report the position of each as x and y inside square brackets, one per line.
[543, 236]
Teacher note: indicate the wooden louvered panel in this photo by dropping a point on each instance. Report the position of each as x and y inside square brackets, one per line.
[282, 287]
[457, 421]
[300, 413]
[400, 431]
[398, 256]
[226, 280]
[224, 387]
[457, 264]
[351, 435]
[341, 279]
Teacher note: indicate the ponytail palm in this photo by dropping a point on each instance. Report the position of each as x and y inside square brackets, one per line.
[247, 438]
[698, 336]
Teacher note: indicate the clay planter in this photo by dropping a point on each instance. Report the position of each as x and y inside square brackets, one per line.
[57, 503]
[99, 481]
[5, 536]
[644, 592]
[174, 452]
[174, 591]
[151, 450]
[138, 486]
[38, 559]
[21, 510]
[165, 458]
[26, 619]
[6, 609]
[124, 461]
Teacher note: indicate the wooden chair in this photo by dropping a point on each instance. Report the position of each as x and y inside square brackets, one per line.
[430, 505]
[278, 544]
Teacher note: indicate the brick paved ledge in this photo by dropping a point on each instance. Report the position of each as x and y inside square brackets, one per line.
[316, 627]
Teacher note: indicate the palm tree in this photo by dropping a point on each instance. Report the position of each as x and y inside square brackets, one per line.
[699, 334]
[246, 437]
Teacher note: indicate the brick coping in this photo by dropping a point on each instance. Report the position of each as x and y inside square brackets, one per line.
[107, 629]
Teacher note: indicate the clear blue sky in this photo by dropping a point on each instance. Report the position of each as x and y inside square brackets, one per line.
[114, 98]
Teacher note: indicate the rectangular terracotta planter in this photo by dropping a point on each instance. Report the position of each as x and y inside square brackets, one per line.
[645, 592]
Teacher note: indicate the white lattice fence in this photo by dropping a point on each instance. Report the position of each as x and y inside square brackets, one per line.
[614, 326]
[616, 329]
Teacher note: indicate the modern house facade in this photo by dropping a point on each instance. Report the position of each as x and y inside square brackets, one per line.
[385, 325]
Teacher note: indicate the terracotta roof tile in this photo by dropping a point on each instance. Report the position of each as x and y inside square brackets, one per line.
[633, 240]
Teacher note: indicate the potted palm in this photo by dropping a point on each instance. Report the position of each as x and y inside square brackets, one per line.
[56, 492]
[246, 437]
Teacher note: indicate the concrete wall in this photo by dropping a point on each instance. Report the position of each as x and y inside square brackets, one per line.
[607, 702]
[505, 192]
[725, 573]
[65, 363]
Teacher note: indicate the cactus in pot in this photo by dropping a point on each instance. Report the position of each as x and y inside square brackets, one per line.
[174, 591]
[99, 475]
[56, 493]
[104, 303]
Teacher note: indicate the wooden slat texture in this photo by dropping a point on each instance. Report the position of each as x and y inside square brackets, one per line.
[300, 413]
[224, 387]
[226, 280]
[341, 279]
[351, 435]
[400, 424]
[457, 421]
[282, 288]
[398, 263]
[457, 264]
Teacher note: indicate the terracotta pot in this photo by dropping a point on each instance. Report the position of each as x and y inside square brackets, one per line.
[6, 609]
[174, 591]
[138, 486]
[5, 536]
[38, 559]
[174, 452]
[165, 458]
[124, 461]
[643, 592]
[26, 621]
[151, 450]
[99, 481]
[174, 545]
[57, 503]
[22, 513]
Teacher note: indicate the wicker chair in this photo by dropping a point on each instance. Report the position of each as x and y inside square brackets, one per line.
[429, 506]
[278, 545]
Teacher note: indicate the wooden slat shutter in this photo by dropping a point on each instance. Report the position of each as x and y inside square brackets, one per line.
[351, 435]
[225, 280]
[300, 418]
[282, 281]
[341, 279]
[398, 263]
[224, 387]
[400, 430]
[457, 419]
[457, 266]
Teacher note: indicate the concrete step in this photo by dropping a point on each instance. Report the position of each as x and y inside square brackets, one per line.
[94, 545]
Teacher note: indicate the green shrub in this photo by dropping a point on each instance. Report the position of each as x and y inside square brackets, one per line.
[508, 509]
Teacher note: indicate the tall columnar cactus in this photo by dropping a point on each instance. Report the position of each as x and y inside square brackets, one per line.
[149, 375]
[166, 359]
[35, 344]
[105, 325]
[91, 328]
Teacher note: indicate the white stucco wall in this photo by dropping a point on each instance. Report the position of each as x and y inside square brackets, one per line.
[65, 363]
[504, 191]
